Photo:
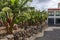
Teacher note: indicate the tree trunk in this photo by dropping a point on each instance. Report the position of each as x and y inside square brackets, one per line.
[41, 26]
[9, 28]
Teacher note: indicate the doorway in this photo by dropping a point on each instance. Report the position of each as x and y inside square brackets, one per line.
[57, 20]
[50, 21]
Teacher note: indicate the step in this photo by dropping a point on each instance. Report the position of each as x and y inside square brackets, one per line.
[49, 29]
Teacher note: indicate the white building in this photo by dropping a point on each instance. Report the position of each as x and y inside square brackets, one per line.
[54, 16]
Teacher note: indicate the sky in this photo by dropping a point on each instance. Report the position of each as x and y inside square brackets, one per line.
[45, 4]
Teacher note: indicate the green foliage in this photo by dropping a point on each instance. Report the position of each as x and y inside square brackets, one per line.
[44, 15]
[14, 11]
[3, 16]
[14, 2]
[6, 9]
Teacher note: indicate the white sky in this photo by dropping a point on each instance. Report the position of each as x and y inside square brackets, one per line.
[45, 4]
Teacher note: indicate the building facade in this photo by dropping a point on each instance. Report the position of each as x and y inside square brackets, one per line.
[54, 16]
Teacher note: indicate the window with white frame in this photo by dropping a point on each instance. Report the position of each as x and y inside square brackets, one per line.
[51, 13]
[58, 13]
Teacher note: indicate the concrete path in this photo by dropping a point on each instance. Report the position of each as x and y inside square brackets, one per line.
[51, 33]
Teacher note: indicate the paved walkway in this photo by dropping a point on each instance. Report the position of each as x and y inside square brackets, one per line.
[51, 33]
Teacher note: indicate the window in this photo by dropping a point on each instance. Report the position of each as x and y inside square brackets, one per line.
[51, 13]
[58, 13]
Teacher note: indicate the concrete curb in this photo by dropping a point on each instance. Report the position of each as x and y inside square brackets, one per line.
[37, 35]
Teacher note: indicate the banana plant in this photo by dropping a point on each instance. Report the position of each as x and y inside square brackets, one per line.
[10, 12]
[7, 20]
[14, 12]
[44, 16]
